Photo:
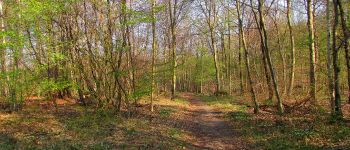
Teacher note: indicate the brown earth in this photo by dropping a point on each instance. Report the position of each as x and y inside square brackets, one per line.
[212, 131]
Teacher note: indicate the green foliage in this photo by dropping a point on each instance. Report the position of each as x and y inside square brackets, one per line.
[301, 133]
[50, 86]
[175, 133]
[7, 142]
[239, 115]
[166, 112]
[269, 102]
[101, 146]
[92, 125]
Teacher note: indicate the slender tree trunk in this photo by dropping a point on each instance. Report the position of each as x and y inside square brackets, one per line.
[211, 22]
[281, 54]
[292, 48]
[132, 80]
[329, 59]
[216, 63]
[229, 53]
[240, 66]
[172, 17]
[246, 58]
[267, 53]
[264, 57]
[165, 48]
[346, 41]
[337, 98]
[3, 50]
[312, 55]
[154, 52]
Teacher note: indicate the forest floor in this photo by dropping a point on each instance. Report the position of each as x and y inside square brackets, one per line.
[189, 122]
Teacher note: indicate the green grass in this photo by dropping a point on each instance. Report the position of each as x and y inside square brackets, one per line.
[175, 133]
[267, 133]
[166, 112]
[223, 103]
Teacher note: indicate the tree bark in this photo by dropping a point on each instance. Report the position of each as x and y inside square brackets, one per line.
[267, 53]
[312, 53]
[172, 17]
[154, 52]
[263, 51]
[246, 58]
[3, 50]
[346, 33]
[337, 98]
[329, 59]
[292, 48]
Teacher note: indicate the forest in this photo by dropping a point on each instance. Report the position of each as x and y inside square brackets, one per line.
[174, 74]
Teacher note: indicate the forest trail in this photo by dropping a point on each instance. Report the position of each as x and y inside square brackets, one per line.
[211, 131]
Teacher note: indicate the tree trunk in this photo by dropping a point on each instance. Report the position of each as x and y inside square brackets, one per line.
[281, 54]
[240, 66]
[229, 72]
[267, 53]
[154, 51]
[292, 48]
[3, 50]
[310, 23]
[346, 44]
[329, 59]
[172, 17]
[211, 23]
[216, 63]
[263, 51]
[246, 58]
[337, 98]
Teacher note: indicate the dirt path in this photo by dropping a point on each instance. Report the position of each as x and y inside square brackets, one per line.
[212, 131]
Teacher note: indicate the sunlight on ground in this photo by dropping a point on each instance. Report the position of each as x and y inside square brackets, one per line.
[300, 130]
[171, 125]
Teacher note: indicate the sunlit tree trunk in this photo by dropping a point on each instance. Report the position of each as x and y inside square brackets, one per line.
[229, 53]
[3, 50]
[172, 18]
[263, 51]
[292, 48]
[312, 53]
[154, 52]
[281, 54]
[212, 18]
[216, 63]
[246, 58]
[267, 53]
[329, 58]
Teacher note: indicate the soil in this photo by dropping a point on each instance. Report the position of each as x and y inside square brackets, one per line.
[211, 131]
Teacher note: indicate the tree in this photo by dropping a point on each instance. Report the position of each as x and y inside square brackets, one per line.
[263, 51]
[246, 59]
[337, 99]
[210, 11]
[329, 59]
[172, 17]
[154, 51]
[346, 34]
[312, 52]
[3, 47]
[292, 48]
[268, 57]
